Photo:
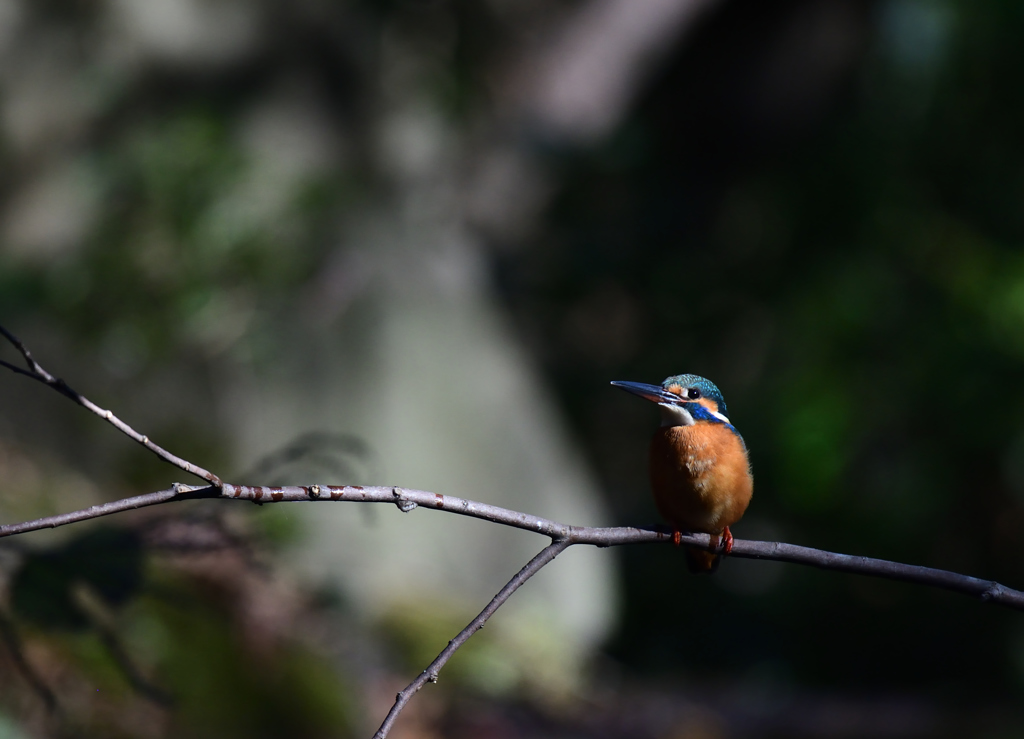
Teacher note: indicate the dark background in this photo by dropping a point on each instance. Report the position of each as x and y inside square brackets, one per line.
[816, 204]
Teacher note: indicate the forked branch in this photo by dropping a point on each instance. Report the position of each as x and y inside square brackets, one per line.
[407, 500]
[562, 535]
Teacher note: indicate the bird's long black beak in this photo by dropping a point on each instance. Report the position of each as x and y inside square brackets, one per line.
[654, 393]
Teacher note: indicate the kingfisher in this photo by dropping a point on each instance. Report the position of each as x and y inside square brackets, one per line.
[700, 473]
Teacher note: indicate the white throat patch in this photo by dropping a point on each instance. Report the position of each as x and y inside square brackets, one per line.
[675, 415]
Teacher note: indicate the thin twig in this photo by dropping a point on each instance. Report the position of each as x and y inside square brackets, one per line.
[171, 494]
[9, 636]
[129, 670]
[429, 675]
[36, 372]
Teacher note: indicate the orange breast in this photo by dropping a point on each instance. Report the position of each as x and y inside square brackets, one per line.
[700, 476]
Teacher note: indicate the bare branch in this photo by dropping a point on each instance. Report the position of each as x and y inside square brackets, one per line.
[562, 535]
[10, 638]
[407, 500]
[36, 372]
[429, 675]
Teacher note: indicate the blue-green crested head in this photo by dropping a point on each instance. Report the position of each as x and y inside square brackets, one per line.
[685, 400]
[694, 387]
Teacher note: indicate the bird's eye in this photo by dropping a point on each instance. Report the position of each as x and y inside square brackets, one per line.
[693, 393]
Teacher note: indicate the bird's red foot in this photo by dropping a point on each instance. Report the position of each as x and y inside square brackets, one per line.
[727, 536]
[677, 537]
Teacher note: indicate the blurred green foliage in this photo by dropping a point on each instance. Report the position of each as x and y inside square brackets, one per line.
[289, 692]
[851, 279]
[109, 561]
[846, 264]
[180, 631]
[181, 251]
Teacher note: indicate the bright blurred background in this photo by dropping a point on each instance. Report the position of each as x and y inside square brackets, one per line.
[410, 242]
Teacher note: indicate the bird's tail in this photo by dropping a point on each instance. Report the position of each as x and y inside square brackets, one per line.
[701, 560]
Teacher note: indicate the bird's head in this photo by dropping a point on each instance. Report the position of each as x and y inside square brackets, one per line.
[684, 399]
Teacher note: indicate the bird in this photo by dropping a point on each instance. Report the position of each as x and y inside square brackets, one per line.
[700, 471]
